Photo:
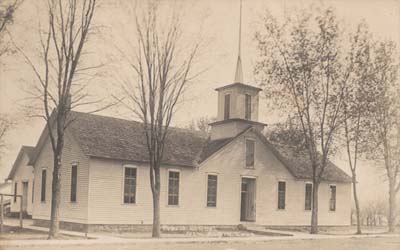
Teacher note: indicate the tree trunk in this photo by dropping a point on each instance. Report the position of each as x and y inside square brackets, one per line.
[55, 196]
[156, 233]
[392, 207]
[314, 212]
[356, 202]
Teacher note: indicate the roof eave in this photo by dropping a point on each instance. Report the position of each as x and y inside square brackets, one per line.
[237, 120]
[141, 162]
[17, 160]
[224, 145]
[239, 84]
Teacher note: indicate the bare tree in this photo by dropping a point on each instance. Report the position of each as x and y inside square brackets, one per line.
[201, 124]
[374, 213]
[58, 87]
[5, 126]
[303, 68]
[7, 10]
[161, 74]
[384, 125]
[355, 111]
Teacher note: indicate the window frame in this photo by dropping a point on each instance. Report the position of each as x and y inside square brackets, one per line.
[305, 196]
[43, 188]
[15, 191]
[207, 189]
[75, 187]
[124, 167]
[179, 187]
[284, 197]
[254, 153]
[332, 209]
[247, 106]
[33, 190]
[227, 110]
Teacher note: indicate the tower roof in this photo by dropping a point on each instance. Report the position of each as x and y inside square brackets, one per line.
[238, 84]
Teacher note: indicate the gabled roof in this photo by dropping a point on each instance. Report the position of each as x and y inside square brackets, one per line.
[297, 164]
[119, 139]
[213, 146]
[25, 150]
[5, 184]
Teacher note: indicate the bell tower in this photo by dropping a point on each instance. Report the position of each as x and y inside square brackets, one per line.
[237, 103]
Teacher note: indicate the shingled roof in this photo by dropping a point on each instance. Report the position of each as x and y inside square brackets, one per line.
[113, 138]
[119, 139]
[298, 164]
[29, 151]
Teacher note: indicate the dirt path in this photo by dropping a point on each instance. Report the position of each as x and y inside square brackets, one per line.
[320, 244]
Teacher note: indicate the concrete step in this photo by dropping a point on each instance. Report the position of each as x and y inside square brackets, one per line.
[261, 230]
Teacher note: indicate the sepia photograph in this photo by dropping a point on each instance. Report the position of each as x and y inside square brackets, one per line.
[200, 124]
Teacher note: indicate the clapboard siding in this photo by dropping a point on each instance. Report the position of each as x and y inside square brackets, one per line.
[23, 173]
[106, 183]
[69, 211]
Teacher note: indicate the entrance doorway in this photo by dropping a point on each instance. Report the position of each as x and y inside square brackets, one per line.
[248, 200]
[24, 196]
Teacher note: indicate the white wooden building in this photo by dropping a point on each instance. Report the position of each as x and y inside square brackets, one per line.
[232, 176]
[22, 177]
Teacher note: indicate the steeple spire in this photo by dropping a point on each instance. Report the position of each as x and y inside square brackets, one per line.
[239, 70]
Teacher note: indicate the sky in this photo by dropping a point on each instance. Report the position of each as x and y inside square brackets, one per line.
[213, 22]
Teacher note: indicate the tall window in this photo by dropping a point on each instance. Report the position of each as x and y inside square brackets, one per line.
[250, 145]
[15, 191]
[227, 106]
[74, 176]
[247, 107]
[130, 185]
[308, 199]
[212, 183]
[173, 188]
[332, 200]
[281, 194]
[43, 188]
[33, 190]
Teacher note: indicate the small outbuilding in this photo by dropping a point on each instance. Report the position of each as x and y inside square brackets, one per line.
[22, 181]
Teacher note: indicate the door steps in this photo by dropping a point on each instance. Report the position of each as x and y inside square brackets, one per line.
[262, 230]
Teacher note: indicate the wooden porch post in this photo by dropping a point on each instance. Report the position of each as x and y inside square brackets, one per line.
[1, 213]
[20, 213]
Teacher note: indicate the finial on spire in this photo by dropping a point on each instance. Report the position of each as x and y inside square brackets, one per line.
[239, 70]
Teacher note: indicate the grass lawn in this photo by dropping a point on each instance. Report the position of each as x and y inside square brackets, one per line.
[17, 233]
